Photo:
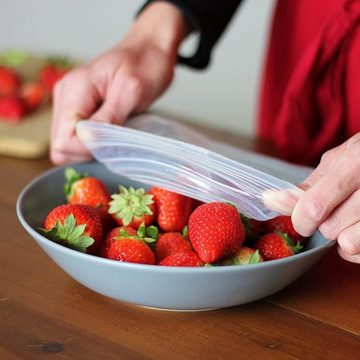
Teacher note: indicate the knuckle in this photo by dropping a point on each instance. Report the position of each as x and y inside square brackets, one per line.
[108, 115]
[314, 209]
[328, 157]
[348, 242]
[329, 230]
[135, 84]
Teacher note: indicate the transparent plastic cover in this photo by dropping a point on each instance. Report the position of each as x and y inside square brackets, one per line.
[161, 152]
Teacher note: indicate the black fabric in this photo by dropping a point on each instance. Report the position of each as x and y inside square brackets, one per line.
[209, 18]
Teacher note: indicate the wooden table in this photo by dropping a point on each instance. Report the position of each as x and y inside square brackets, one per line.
[45, 314]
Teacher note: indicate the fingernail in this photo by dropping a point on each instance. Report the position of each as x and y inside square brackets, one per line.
[282, 201]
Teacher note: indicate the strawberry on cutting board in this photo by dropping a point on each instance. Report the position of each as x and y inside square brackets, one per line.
[173, 210]
[9, 81]
[216, 231]
[53, 70]
[33, 94]
[132, 207]
[76, 226]
[12, 109]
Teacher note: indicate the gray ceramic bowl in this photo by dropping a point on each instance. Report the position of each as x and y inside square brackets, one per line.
[155, 286]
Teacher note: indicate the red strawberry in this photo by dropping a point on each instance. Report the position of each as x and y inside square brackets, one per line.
[9, 82]
[132, 248]
[112, 234]
[253, 227]
[173, 209]
[216, 231]
[246, 255]
[53, 71]
[88, 190]
[132, 207]
[277, 245]
[76, 226]
[33, 94]
[183, 258]
[169, 243]
[12, 108]
[284, 225]
[84, 189]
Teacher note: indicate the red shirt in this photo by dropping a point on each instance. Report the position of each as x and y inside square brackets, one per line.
[310, 97]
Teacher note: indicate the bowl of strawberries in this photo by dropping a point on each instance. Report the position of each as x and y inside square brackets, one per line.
[155, 248]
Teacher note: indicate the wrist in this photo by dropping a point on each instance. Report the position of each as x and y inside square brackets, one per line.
[160, 24]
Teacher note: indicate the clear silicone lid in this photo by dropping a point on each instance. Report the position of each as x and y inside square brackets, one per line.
[160, 152]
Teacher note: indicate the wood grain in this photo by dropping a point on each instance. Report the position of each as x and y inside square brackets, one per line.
[44, 313]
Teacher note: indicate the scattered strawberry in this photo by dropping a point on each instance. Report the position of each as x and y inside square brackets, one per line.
[54, 69]
[132, 207]
[277, 245]
[173, 209]
[9, 82]
[170, 243]
[246, 255]
[76, 226]
[33, 94]
[12, 108]
[183, 258]
[216, 231]
[284, 225]
[132, 248]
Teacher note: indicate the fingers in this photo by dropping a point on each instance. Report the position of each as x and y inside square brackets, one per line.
[329, 190]
[342, 218]
[282, 201]
[122, 97]
[75, 98]
[349, 240]
[348, 257]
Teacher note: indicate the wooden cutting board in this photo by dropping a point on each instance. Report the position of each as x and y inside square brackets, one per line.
[28, 139]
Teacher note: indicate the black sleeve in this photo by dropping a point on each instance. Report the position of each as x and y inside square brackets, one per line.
[209, 18]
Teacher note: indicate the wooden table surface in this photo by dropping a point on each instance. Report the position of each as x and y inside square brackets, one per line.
[45, 314]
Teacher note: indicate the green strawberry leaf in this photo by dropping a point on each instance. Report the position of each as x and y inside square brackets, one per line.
[152, 232]
[255, 258]
[148, 234]
[71, 176]
[185, 232]
[298, 247]
[61, 62]
[130, 203]
[246, 221]
[13, 58]
[69, 234]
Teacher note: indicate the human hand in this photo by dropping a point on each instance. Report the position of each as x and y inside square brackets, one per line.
[124, 80]
[331, 200]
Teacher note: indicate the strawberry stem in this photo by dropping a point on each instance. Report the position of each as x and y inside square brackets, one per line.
[130, 203]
